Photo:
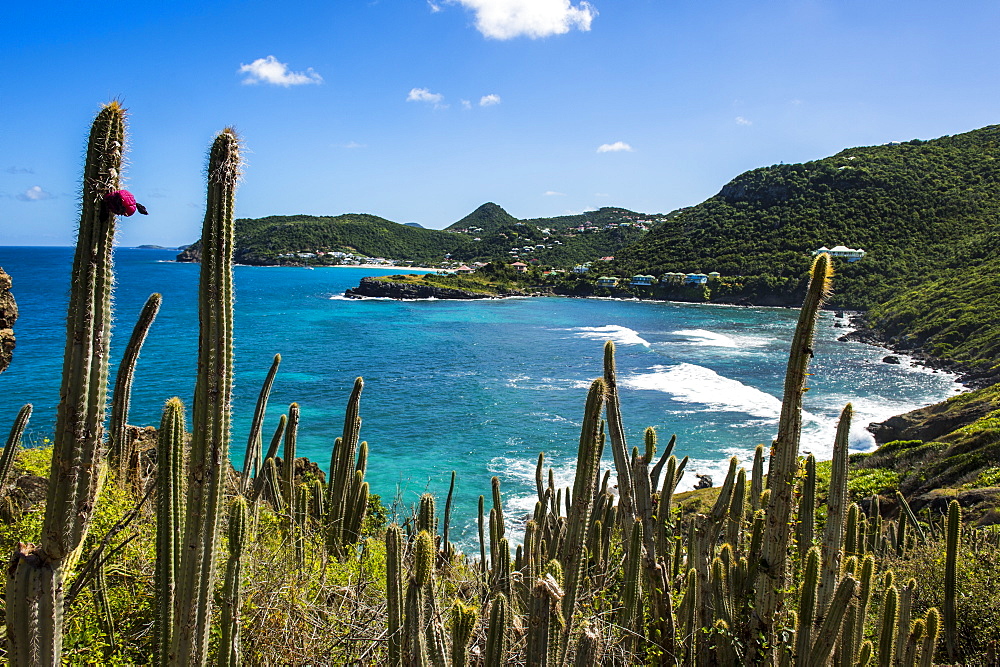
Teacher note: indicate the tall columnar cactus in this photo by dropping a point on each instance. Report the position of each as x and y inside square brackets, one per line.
[255, 441]
[169, 520]
[229, 642]
[887, 630]
[36, 573]
[343, 498]
[288, 462]
[463, 622]
[757, 478]
[807, 604]
[929, 644]
[118, 442]
[261, 479]
[588, 461]
[807, 508]
[13, 442]
[588, 650]
[836, 514]
[545, 622]
[784, 456]
[630, 613]
[209, 452]
[497, 638]
[447, 550]
[394, 593]
[951, 580]
[616, 432]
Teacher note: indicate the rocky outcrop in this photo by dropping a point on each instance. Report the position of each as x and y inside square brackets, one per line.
[8, 314]
[192, 253]
[373, 287]
[932, 422]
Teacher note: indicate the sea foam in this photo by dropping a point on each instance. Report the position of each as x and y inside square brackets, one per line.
[613, 332]
[698, 385]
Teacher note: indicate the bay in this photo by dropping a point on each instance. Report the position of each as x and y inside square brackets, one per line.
[479, 387]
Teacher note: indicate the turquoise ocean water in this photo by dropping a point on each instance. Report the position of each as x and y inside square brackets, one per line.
[479, 387]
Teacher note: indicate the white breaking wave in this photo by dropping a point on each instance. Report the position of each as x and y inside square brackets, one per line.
[690, 383]
[613, 332]
[705, 337]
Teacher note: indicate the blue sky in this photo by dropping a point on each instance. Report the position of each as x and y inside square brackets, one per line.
[420, 110]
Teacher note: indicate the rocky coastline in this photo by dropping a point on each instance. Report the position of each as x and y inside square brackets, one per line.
[373, 287]
[970, 376]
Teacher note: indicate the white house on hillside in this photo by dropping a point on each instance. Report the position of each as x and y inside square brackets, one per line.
[843, 252]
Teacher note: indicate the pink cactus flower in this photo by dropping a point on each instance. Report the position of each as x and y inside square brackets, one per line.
[121, 202]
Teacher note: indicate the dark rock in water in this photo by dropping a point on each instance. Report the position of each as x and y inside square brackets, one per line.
[891, 359]
[704, 482]
[838, 325]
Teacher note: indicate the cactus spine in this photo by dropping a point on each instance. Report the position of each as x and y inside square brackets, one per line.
[784, 457]
[36, 573]
[229, 643]
[210, 422]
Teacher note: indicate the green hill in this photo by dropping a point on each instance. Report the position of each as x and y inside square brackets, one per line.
[562, 241]
[488, 234]
[920, 209]
[265, 240]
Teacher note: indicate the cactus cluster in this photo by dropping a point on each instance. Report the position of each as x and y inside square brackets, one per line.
[609, 570]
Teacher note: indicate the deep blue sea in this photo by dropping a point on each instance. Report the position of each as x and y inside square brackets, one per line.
[479, 387]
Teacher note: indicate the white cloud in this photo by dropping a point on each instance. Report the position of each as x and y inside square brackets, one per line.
[489, 100]
[270, 70]
[35, 193]
[616, 147]
[553, 193]
[425, 95]
[506, 19]
[740, 120]
[354, 144]
[435, 8]
[466, 104]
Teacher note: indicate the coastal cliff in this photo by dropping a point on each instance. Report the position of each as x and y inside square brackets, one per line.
[8, 314]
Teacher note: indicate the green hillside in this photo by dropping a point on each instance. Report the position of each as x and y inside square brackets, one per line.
[488, 234]
[562, 241]
[264, 240]
[921, 210]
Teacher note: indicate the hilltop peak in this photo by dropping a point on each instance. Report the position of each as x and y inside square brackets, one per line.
[487, 216]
